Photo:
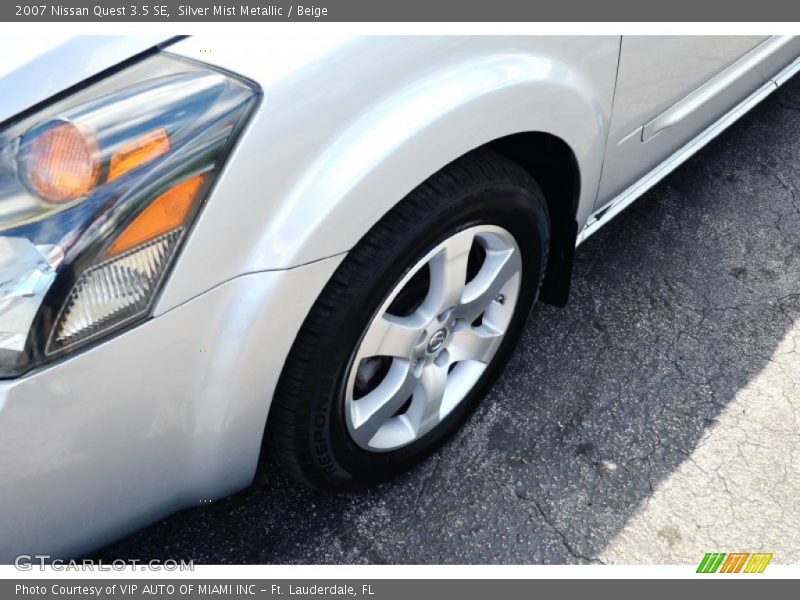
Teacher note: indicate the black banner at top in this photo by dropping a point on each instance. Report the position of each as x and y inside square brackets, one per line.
[400, 10]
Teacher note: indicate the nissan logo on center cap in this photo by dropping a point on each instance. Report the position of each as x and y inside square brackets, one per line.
[437, 341]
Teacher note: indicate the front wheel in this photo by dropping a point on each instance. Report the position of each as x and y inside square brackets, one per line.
[413, 327]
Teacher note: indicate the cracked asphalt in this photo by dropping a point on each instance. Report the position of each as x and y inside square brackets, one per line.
[655, 418]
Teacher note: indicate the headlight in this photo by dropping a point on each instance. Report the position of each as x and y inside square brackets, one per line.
[97, 192]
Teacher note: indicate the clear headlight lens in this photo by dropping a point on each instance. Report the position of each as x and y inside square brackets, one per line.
[26, 273]
[97, 192]
[115, 290]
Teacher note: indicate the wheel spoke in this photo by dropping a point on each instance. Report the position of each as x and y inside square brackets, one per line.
[448, 272]
[390, 335]
[431, 388]
[473, 343]
[497, 269]
[374, 409]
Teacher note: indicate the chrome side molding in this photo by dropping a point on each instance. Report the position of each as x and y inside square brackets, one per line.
[600, 217]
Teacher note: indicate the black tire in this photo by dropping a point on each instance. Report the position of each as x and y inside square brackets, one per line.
[306, 429]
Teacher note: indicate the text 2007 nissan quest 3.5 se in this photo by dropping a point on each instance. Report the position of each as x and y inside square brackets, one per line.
[314, 251]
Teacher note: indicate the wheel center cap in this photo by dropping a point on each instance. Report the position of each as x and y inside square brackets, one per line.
[437, 340]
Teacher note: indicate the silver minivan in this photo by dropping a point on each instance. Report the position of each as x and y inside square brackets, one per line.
[315, 250]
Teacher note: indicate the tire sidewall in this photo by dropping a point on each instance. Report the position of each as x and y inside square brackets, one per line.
[519, 210]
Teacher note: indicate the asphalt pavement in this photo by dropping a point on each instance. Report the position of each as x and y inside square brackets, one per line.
[655, 418]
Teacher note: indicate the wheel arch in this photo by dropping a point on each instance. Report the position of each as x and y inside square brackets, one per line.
[321, 193]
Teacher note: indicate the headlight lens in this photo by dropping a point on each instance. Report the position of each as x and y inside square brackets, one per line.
[62, 163]
[96, 194]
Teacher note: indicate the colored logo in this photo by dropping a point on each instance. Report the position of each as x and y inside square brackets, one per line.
[735, 562]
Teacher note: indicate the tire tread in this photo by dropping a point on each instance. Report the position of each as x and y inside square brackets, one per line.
[287, 431]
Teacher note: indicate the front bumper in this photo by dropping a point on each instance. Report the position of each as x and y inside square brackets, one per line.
[165, 416]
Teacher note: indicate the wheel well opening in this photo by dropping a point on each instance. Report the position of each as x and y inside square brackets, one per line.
[551, 162]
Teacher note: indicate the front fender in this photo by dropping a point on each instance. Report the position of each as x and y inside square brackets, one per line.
[353, 125]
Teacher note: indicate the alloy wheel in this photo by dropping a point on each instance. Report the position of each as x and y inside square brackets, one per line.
[432, 338]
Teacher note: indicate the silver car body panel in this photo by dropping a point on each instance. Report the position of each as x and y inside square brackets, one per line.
[349, 126]
[171, 413]
[670, 89]
[168, 415]
[644, 183]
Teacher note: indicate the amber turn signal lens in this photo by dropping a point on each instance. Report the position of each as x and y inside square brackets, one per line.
[167, 212]
[62, 164]
[138, 152]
